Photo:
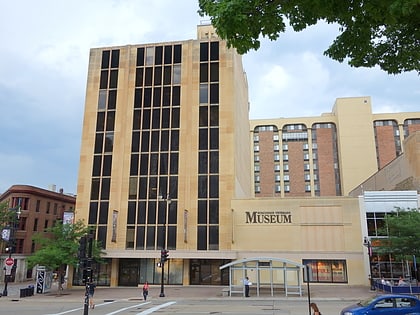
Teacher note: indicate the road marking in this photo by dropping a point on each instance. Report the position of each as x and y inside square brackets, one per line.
[126, 308]
[78, 309]
[155, 308]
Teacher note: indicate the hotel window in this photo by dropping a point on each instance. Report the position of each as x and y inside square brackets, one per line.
[277, 167]
[306, 156]
[306, 167]
[287, 188]
[256, 138]
[256, 148]
[286, 177]
[286, 167]
[307, 188]
[278, 188]
[276, 157]
[256, 158]
[305, 146]
[325, 271]
[276, 147]
[285, 157]
[285, 147]
[257, 188]
[277, 178]
[276, 137]
[257, 178]
[307, 177]
[256, 168]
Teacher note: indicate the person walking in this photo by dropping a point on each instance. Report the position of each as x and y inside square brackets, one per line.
[315, 308]
[145, 290]
[90, 287]
[247, 283]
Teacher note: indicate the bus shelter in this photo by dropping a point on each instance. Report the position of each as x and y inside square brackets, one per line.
[274, 275]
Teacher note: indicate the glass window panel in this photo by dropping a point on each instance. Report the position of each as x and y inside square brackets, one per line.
[156, 96]
[148, 76]
[104, 80]
[204, 119]
[176, 74]
[140, 237]
[154, 141]
[93, 213]
[174, 163]
[171, 240]
[167, 75]
[134, 165]
[203, 139]
[214, 93]
[102, 235]
[214, 115]
[100, 121]
[165, 118]
[145, 141]
[214, 211]
[214, 72]
[115, 58]
[109, 141]
[161, 235]
[204, 94]
[214, 51]
[161, 212]
[164, 140]
[113, 79]
[151, 212]
[164, 165]
[202, 163]
[150, 56]
[142, 187]
[202, 186]
[103, 212]
[156, 119]
[136, 119]
[105, 188]
[141, 215]
[204, 51]
[177, 53]
[214, 162]
[139, 77]
[132, 186]
[150, 238]
[158, 55]
[138, 95]
[129, 239]
[213, 237]
[94, 190]
[175, 140]
[147, 102]
[102, 100]
[105, 59]
[144, 164]
[110, 120]
[158, 76]
[168, 54]
[214, 138]
[204, 72]
[112, 99]
[107, 165]
[140, 56]
[146, 119]
[166, 96]
[131, 212]
[172, 213]
[97, 165]
[173, 187]
[214, 186]
[202, 238]
[153, 164]
[175, 118]
[202, 212]
[99, 139]
[176, 96]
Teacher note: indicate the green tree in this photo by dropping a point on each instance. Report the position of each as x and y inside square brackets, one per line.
[59, 247]
[402, 228]
[377, 32]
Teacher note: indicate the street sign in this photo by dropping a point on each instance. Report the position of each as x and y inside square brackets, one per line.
[9, 261]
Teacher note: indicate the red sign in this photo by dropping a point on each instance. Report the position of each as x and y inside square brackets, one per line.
[9, 261]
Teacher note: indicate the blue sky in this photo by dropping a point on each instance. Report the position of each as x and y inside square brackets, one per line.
[44, 59]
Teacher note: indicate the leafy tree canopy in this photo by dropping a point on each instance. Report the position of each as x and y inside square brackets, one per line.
[402, 227]
[376, 32]
[7, 216]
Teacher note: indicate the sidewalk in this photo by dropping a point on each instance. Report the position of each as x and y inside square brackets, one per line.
[317, 293]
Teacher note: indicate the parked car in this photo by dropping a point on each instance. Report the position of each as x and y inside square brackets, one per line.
[392, 304]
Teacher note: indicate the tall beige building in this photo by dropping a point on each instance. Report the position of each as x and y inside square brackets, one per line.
[164, 150]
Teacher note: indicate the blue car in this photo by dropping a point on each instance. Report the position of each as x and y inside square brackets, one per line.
[391, 304]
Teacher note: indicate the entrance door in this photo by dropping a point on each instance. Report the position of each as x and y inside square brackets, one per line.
[129, 272]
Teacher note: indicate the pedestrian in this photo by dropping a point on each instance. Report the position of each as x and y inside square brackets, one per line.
[247, 283]
[90, 288]
[145, 290]
[315, 308]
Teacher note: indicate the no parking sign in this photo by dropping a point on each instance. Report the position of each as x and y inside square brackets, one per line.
[8, 265]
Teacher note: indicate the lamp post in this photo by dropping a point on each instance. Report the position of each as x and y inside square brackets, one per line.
[367, 243]
[9, 236]
[164, 253]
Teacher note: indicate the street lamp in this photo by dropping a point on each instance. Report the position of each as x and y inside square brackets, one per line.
[367, 243]
[164, 253]
[8, 235]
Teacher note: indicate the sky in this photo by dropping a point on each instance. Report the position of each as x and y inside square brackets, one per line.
[43, 71]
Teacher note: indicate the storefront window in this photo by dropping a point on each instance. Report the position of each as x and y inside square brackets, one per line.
[326, 271]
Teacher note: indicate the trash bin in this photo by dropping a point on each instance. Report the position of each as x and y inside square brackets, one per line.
[23, 292]
[31, 290]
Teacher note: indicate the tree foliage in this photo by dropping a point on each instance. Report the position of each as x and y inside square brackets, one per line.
[59, 246]
[7, 216]
[376, 32]
[402, 228]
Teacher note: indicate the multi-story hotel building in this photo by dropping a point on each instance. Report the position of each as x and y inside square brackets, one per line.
[327, 155]
[169, 159]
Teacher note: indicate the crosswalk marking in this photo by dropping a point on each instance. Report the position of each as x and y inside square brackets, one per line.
[155, 308]
[126, 308]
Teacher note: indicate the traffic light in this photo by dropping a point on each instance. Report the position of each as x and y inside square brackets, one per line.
[164, 255]
[82, 248]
